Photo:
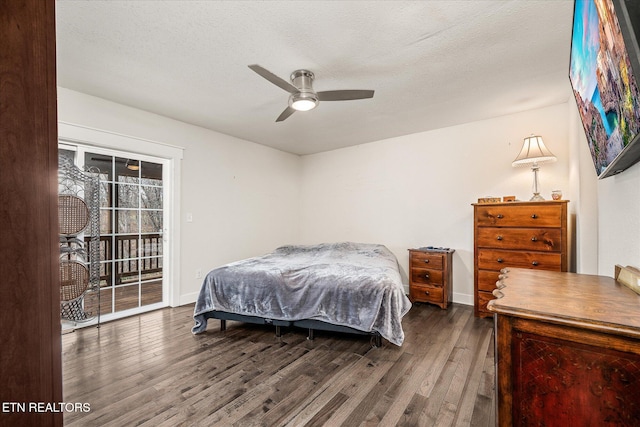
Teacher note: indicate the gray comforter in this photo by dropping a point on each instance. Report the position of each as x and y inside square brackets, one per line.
[349, 284]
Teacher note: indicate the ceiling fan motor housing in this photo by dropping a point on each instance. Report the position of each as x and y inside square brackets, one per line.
[303, 80]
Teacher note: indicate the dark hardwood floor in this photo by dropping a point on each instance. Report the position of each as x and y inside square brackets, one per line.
[150, 370]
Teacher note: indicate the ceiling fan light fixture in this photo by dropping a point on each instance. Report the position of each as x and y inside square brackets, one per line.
[132, 165]
[302, 101]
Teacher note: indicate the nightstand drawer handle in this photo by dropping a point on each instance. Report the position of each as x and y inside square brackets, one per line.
[534, 216]
[499, 238]
[426, 276]
[499, 216]
[426, 261]
[500, 260]
[426, 292]
[534, 263]
[534, 239]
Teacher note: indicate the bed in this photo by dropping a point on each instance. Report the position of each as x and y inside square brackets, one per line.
[343, 287]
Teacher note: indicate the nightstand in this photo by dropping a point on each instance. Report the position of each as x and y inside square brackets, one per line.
[430, 276]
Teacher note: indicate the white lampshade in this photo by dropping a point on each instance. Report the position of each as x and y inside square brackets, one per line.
[533, 152]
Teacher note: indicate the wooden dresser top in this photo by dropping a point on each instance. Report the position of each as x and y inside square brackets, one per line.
[593, 302]
[522, 203]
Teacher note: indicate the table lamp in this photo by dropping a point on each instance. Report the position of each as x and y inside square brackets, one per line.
[534, 153]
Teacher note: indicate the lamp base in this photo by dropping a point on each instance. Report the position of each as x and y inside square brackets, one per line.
[536, 198]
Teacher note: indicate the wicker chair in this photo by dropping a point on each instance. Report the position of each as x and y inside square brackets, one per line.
[79, 241]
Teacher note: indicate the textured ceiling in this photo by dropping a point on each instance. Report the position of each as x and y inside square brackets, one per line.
[432, 64]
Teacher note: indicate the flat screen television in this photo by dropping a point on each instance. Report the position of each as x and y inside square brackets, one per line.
[604, 71]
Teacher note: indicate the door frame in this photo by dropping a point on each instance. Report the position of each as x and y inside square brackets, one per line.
[100, 139]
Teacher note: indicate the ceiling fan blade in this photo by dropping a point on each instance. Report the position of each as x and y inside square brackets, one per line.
[344, 95]
[281, 83]
[285, 114]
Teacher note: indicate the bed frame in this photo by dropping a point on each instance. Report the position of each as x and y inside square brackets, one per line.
[310, 324]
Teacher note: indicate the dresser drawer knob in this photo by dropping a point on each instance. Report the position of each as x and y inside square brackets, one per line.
[499, 216]
[426, 261]
[534, 216]
[534, 239]
[534, 263]
[499, 238]
[426, 292]
[500, 260]
[426, 276]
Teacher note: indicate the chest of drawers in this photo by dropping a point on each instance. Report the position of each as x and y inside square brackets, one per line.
[430, 274]
[516, 234]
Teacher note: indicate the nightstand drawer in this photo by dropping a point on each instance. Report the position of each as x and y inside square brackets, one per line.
[495, 259]
[426, 260]
[533, 239]
[425, 293]
[505, 215]
[426, 277]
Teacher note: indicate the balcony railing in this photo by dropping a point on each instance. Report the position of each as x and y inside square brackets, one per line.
[136, 256]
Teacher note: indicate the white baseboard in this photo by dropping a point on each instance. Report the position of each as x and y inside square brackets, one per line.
[189, 298]
[463, 298]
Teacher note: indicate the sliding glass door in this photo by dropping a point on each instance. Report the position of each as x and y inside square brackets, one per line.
[132, 230]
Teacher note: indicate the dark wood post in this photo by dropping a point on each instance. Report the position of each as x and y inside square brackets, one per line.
[30, 354]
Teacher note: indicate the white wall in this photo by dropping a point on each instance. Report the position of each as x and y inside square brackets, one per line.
[584, 187]
[619, 221]
[417, 190]
[243, 197]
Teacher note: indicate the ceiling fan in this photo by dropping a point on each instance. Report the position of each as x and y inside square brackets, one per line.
[303, 97]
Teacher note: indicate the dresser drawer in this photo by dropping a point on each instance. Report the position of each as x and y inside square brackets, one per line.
[426, 276]
[483, 300]
[534, 215]
[426, 293]
[487, 280]
[426, 260]
[533, 239]
[495, 259]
